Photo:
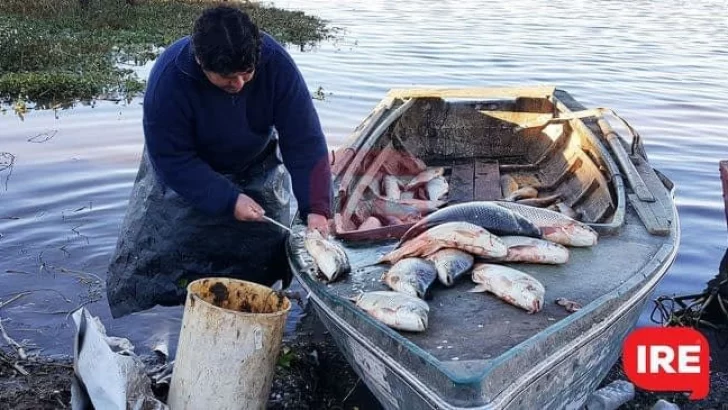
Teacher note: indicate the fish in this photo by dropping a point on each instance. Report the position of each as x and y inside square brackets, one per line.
[510, 285]
[395, 309]
[422, 205]
[540, 202]
[329, 257]
[413, 276]
[421, 192]
[461, 235]
[391, 220]
[383, 208]
[437, 188]
[567, 210]
[450, 264]
[567, 304]
[401, 163]
[525, 192]
[485, 214]
[424, 177]
[370, 223]
[391, 187]
[508, 185]
[554, 226]
[376, 184]
[408, 195]
[533, 250]
[343, 225]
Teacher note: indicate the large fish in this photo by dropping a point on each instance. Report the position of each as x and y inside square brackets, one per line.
[450, 264]
[413, 276]
[533, 250]
[424, 206]
[395, 309]
[424, 177]
[485, 214]
[508, 185]
[437, 188]
[555, 227]
[392, 188]
[329, 257]
[384, 208]
[461, 235]
[513, 286]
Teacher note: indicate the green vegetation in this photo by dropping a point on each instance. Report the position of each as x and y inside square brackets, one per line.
[53, 52]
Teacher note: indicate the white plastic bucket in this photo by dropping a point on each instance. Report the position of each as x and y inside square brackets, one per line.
[228, 345]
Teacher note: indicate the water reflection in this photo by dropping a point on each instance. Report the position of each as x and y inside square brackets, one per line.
[661, 66]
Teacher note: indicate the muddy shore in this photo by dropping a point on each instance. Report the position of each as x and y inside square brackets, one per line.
[312, 375]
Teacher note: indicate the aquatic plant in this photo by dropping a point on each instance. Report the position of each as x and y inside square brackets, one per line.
[56, 51]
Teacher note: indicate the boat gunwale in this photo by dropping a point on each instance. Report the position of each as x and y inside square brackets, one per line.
[658, 264]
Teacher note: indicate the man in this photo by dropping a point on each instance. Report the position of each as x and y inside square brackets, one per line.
[220, 110]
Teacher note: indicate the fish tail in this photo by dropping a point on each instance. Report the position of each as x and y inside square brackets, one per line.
[479, 288]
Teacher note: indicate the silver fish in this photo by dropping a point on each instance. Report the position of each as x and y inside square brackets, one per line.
[383, 208]
[513, 286]
[422, 205]
[329, 257]
[451, 264]
[508, 185]
[461, 235]
[486, 214]
[395, 309]
[534, 250]
[424, 177]
[556, 227]
[413, 276]
[437, 188]
[392, 187]
[567, 210]
[408, 195]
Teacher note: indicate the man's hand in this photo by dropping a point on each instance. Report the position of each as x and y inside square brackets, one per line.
[246, 209]
[320, 223]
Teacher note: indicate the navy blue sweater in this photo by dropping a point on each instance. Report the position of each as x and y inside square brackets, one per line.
[195, 131]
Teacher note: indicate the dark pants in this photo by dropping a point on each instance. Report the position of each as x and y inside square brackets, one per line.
[165, 243]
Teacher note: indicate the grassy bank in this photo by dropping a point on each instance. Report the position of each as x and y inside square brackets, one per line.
[56, 51]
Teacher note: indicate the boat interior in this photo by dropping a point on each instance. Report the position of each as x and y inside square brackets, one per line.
[479, 142]
[488, 149]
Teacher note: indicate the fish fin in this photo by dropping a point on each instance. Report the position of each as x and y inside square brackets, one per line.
[428, 294]
[478, 289]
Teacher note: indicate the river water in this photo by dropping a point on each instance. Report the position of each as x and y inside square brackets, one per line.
[661, 65]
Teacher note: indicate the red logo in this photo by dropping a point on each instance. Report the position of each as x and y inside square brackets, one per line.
[668, 359]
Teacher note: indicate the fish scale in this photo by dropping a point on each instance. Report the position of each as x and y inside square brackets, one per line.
[413, 276]
[395, 309]
[555, 226]
[488, 215]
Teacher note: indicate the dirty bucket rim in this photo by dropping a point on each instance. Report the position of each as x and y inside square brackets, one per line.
[197, 297]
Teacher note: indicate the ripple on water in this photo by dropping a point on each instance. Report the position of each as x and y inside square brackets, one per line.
[661, 66]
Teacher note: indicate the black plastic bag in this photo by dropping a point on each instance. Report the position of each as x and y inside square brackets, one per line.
[165, 243]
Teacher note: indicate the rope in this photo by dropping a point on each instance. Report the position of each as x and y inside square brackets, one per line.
[706, 311]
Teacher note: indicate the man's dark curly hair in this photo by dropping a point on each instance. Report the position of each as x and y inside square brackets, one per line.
[226, 41]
